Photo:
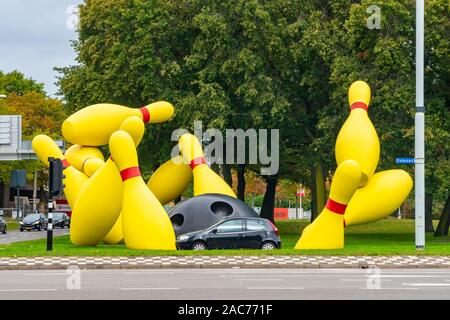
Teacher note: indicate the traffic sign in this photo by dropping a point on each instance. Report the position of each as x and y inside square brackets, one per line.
[405, 160]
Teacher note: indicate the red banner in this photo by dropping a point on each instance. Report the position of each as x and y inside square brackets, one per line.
[280, 213]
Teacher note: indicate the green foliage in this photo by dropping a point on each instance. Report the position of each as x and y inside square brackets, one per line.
[268, 64]
[16, 83]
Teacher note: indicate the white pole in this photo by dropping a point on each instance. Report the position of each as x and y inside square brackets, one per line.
[420, 129]
[35, 191]
[301, 208]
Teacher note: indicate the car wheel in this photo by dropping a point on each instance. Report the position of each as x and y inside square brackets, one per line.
[21, 230]
[199, 245]
[39, 228]
[62, 226]
[4, 231]
[268, 245]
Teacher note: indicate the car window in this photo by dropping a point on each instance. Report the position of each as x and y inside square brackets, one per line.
[255, 225]
[31, 217]
[230, 226]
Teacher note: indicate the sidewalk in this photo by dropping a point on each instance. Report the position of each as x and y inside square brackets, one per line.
[167, 262]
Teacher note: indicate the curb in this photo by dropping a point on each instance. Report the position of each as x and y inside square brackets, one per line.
[228, 262]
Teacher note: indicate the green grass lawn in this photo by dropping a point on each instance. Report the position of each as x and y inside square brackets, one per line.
[385, 237]
[12, 224]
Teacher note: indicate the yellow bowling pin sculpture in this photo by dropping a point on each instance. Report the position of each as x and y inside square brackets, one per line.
[85, 159]
[384, 193]
[99, 204]
[93, 125]
[327, 230]
[170, 180]
[146, 224]
[115, 235]
[205, 179]
[357, 140]
[45, 147]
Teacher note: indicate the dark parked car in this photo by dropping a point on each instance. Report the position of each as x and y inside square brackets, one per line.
[240, 233]
[34, 221]
[3, 226]
[60, 219]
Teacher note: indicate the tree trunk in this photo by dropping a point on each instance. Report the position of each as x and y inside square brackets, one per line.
[444, 221]
[268, 204]
[226, 172]
[429, 213]
[241, 181]
[318, 190]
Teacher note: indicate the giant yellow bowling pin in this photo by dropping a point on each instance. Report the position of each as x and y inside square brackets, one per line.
[85, 159]
[146, 224]
[99, 203]
[45, 147]
[205, 179]
[357, 140]
[327, 230]
[384, 193]
[93, 125]
[170, 180]
[115, 235]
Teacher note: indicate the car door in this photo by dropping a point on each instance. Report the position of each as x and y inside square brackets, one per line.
[254, 234]
[226, 235]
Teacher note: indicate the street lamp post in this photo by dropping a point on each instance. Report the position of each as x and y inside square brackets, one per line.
[420, 129]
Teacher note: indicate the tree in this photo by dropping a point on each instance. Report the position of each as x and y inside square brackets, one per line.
[40, 114]
[16, 83]
[275, 64]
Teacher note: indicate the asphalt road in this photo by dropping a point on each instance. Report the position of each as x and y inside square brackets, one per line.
[17, 236]
[229, 284]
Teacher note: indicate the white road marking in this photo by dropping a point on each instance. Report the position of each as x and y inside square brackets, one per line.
[45, 274]
[274, 288]
[137, 289]
[26, 290]
[427, 284]
[349, 280]
[389, 289]
[148, 273]
[244, 279]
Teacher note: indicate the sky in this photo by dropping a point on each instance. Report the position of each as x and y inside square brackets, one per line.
[35, 37]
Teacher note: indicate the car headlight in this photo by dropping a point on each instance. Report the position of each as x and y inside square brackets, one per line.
[183, 238]
[37, 222]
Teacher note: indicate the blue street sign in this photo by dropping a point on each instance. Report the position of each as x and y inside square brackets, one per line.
[405, 160]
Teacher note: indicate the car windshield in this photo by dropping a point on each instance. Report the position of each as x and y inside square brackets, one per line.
[57, 215]
[31, 217]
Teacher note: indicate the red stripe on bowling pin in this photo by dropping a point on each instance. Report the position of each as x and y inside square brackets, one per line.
[145, 114]
[197, 161]
[65, 163]
[129, 173]
[336, 207]
[359, 105]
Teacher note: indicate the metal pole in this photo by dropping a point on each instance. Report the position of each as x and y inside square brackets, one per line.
[420, 129]
[301, 206]
[35, 191]
[50, 224]
[18, 202]
[296, 207]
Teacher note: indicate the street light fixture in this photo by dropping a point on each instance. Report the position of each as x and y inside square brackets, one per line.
[420, 129]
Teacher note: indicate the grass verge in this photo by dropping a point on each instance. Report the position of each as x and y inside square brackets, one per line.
[385, 237]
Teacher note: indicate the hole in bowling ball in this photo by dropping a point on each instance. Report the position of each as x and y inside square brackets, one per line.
[222, 209]
[177, 221]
